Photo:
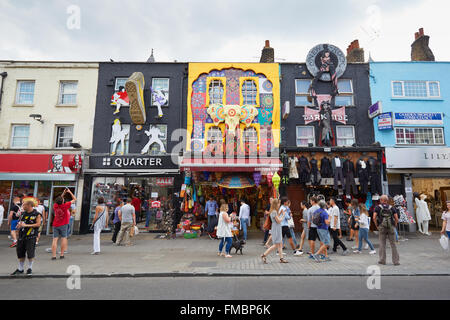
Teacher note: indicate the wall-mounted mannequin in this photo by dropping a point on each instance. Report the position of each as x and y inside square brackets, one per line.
[362, 172]
[422, 214]
[304, 170]
[315, 175]
[374, 176]
[326, 170]
[337, 165]
[293, 172]
[349, 174]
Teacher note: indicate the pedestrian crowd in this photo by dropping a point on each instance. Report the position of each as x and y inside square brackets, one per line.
[321, 221]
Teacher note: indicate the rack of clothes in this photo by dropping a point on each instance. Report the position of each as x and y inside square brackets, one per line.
[342, 170]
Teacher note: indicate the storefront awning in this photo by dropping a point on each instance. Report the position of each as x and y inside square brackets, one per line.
[235, 165]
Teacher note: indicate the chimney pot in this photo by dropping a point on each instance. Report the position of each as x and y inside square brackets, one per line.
[416, 36]
[267, 44]
[356, 43]
[421, 32]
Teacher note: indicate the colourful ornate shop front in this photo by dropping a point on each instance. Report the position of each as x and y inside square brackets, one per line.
[233, 109]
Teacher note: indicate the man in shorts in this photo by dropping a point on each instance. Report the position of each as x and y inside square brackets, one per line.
[312, 235]
[27, 226]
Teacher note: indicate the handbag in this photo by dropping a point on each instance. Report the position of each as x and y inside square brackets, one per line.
[134, 231]
[291, 223]
[268, 223]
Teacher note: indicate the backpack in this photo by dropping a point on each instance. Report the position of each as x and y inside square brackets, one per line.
[385, 217]
[60, 216]
[317, 219]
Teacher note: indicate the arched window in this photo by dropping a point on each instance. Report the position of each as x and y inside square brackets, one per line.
[214, 135]
[249, 92]
[215, 92]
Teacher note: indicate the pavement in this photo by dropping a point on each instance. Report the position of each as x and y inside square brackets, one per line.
[152, 257]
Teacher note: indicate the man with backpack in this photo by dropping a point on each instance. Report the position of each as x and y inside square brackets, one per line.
[386, 219]
[322, 221]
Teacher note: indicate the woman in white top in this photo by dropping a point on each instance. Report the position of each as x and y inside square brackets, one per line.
[100, 222]
[276, 216]
[224, 231]
[363, 222]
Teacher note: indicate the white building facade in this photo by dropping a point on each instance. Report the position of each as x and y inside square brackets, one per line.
[46, 125]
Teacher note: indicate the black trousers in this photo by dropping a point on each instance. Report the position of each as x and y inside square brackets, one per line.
[350, 182]
[336, 241]
[375, 183]
[266, 235]
[117, 226]
[364, 180]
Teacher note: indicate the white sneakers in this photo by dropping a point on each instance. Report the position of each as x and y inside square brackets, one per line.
[372, 252]
[298, 253]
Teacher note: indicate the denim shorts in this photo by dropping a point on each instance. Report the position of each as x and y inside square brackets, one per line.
[324, 236]
[60, 231]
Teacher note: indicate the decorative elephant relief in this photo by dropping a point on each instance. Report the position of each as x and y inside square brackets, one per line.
[232, 115]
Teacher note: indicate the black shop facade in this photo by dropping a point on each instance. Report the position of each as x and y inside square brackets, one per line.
[139, 110]
[328, 146]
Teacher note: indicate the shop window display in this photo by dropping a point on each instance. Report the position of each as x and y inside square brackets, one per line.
[143, 192]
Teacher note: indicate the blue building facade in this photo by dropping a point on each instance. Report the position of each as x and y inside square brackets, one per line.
[411, 109]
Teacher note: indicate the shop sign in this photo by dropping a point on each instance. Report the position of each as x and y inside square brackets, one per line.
[425, 118]
[375, 110]
[164, 182]
[385, 121]
[427, 158]
[312, 115]
[40, 163]
[131, 162]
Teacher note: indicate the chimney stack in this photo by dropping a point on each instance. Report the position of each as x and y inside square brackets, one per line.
[354, 52]
[267, 53]
[419, 48]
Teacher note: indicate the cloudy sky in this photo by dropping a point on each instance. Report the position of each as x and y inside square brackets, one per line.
[226, 30]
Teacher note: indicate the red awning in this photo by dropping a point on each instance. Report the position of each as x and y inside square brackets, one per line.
[235, 165]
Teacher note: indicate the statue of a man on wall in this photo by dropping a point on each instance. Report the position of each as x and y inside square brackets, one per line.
[326, 115]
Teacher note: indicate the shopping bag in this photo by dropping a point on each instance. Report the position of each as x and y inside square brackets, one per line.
[444, 242]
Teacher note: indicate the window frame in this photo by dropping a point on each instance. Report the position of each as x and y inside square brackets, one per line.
[302, 94]
[13, 126]
[223, 80]
[297, 137]
[255, 80]
[434, 130]
[60, 95]
[168, 91]
[337, 138]
[57, 135]
[346, 94]
[116, 88]
[18, 92]
[427, 85]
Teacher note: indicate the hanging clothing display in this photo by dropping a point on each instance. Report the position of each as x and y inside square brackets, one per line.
[304, 170]
[326, 170]
[315, 175]
[362, 172]
[337, 169]
[293, 172]
[349, 174]
[374, 176]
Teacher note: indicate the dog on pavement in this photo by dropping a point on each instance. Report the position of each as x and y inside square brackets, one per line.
[237, 244]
